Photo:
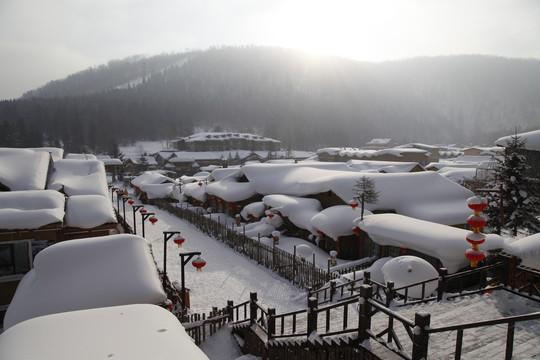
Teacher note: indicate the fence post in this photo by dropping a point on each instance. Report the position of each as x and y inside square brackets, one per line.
[271, 323]
[312, 316]
[332, 289]
[230, 310]
[441, 288]
[390, 293]
[420, 336]
[364, 308]
[252, 308]
[367, 278]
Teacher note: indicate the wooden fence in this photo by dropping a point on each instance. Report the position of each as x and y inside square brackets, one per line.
[293, 268]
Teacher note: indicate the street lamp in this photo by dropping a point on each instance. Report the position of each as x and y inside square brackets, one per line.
[166, 236]
[146, 215]
[198, 263]
[124, 199]
[113, 189]
[135, 208]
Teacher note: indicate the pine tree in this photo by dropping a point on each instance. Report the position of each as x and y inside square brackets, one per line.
[366, 186]
[521, 205]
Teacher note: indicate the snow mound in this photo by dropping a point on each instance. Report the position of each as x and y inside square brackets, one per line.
[67, 276]
[407, 270]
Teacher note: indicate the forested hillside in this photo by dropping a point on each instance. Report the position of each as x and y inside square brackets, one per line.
[306, 102]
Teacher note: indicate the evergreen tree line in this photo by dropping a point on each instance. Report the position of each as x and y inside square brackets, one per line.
[305, 102]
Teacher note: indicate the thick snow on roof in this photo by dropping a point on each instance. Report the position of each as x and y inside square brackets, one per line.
[407, 270]
[30, 209]
[532, 140]
[89, 211]
[111, 161]
[194, 190]
[445, 243]
[337, 220]
[362, 153]
[528, 249]
[68, 275]
[152, 177]
[56, 153]
[382, 166]
[134, 332]
[158, 191]
[299, 210]
[72, 156]
[216, 136]
[230, 189]
[23, 169]
[457, 173]
[422, 195]
[78, 177]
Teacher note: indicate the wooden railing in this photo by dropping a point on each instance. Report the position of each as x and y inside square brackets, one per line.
[293, 268]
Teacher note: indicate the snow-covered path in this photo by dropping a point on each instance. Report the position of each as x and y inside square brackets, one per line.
[227, 274]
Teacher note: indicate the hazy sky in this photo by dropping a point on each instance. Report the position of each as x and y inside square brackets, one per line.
[44, 40]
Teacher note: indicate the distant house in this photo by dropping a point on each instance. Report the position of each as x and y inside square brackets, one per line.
[393, 154]
[380, 144]
[221, 141]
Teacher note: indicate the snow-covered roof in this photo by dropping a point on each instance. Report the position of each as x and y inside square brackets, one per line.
[89, 211]
[56, 153]
[299, 210]
[528, 249]
[72, 156]
[532, 139]
[158, 191]
[382, 166]
[457, 173]
[379, 141]
[445, 243]
[337, 220]
[217, 136]
[30, 209]
[135, 332]
[23, 169]
[422, 195]
[363, 153]
[79, 177]
[84, 274]
[152, 177]
[111, 161]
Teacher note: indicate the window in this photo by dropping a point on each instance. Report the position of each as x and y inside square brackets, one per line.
[15, 258]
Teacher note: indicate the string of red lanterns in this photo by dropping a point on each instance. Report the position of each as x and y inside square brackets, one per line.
[477, 223]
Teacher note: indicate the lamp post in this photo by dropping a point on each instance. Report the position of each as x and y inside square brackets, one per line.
[135, 208]
[124, 199]
[166, 236]
[118, 196]
[113, 189]
[144, 217]
[185, 257]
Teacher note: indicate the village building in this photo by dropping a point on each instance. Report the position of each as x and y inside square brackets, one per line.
[46, 200]
[393, 154]
[222, 141]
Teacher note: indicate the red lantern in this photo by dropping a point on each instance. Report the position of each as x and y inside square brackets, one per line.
[143, 211]
[270, 215]
[320, 232]
[476, 221]
[357, 230]
[249, 216]
[131, 202]
[230, 205]
[200, 183]
[474, 255]
[476, 238]
[153, 220]
[353, 204]
[199, 263]
[179, 241]
[477, 203]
